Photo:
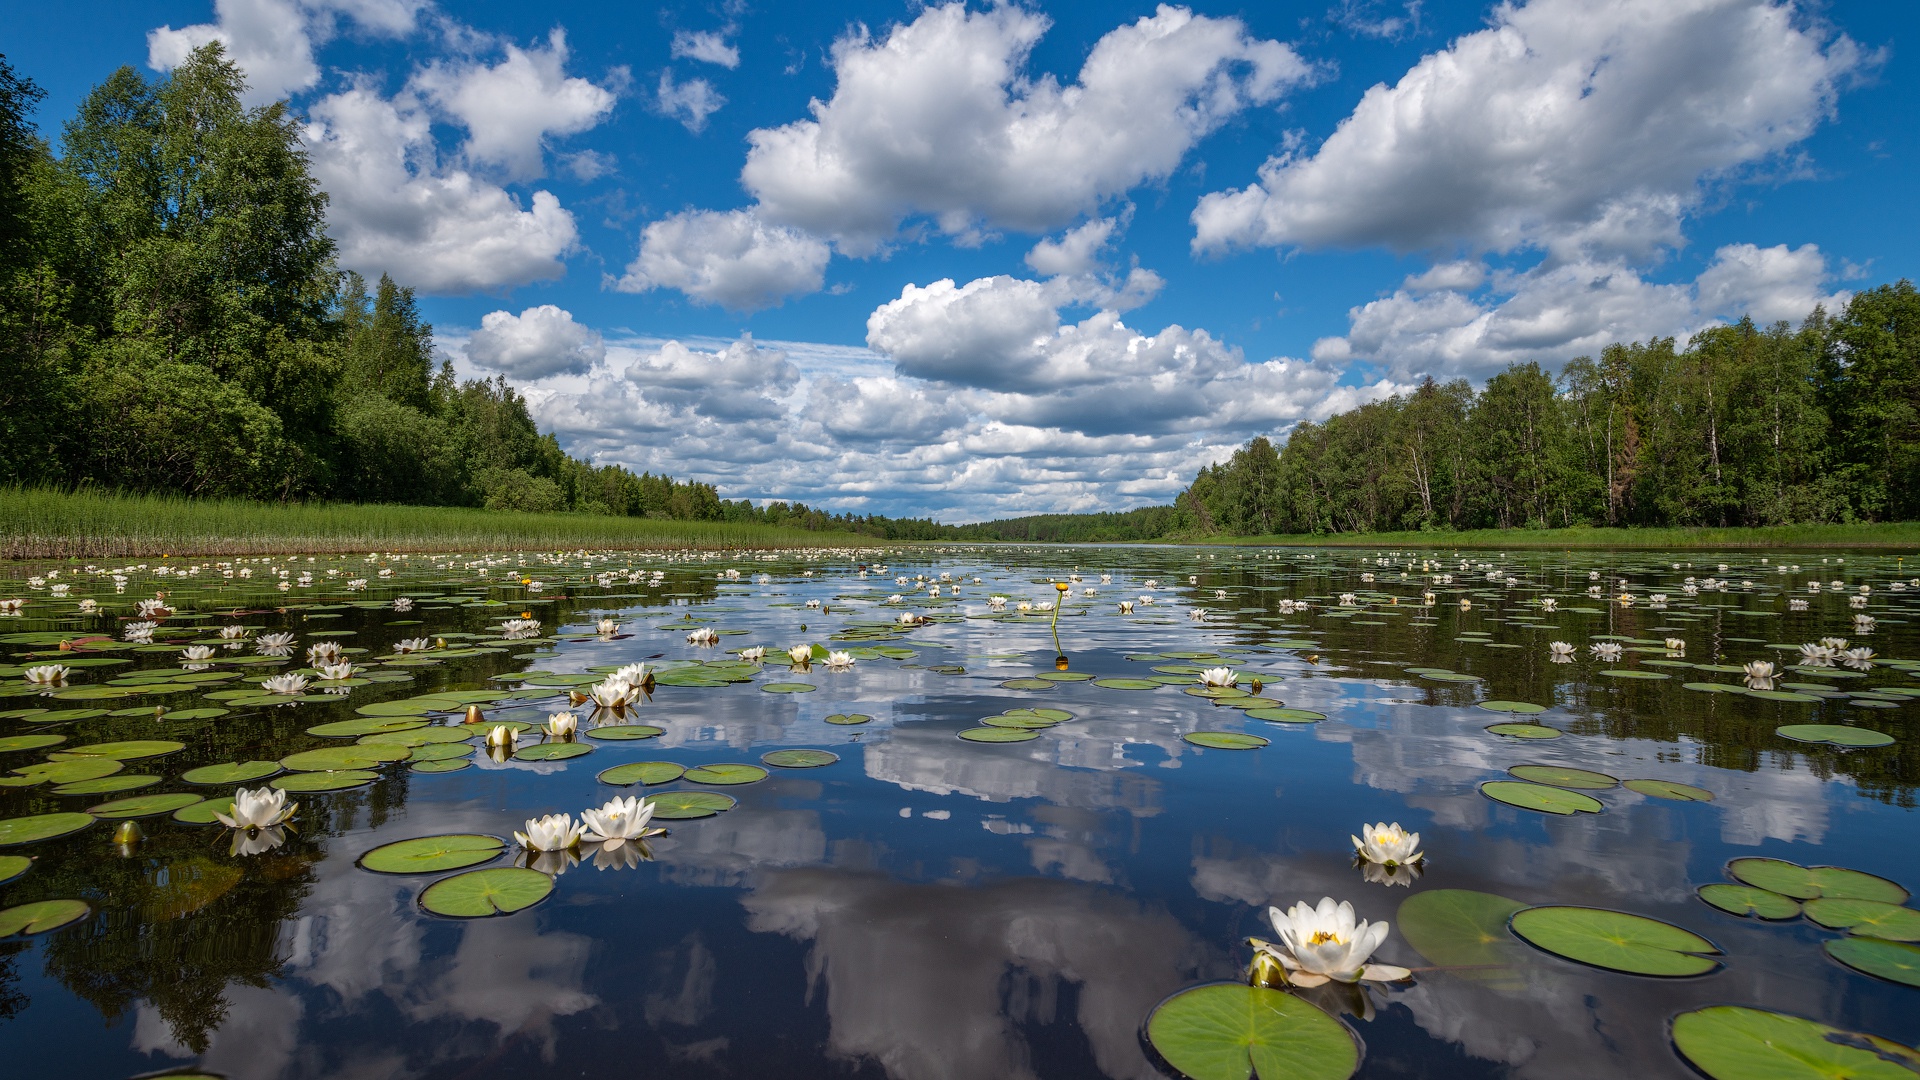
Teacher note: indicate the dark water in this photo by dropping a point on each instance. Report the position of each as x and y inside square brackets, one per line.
[930, 908]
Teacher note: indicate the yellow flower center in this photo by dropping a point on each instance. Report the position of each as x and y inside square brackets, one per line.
[1324, 937]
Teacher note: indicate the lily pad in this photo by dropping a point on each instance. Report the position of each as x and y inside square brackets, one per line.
[1668, 789]
[130, 750]
[1127, 684]
[999, 734]
[642, 772]
[479, 893]
[356, 756]
[799, 759]
[1231, 1032]
[1867, 918]
[1812, 882]
[230, 772]
[1225, 740]
[849, 718]
[1287, 716]
[1449, 676]
[1512, 707]
[685, 805]
[336, 780]
[1744, 900]
[553, 751]
[28, 830]
[370, 725]
[29, 742]
[107, 785]
[201, 813]
[42, 916]
[788, 687]
[1464, 930]
[1895, 961]
[727, 774]
[1526, 731]
[431, 854]
[1550, 800]
[140, 806]
[1038, 684]
[12, 866]
[625, 732]
[1561, 776]
[1834, 734]
[1621, 673]
[439, 752]
[1616, 940]
[440, 765]
[1730, 1042]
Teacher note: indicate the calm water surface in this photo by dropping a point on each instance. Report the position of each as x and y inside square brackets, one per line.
[931, 908]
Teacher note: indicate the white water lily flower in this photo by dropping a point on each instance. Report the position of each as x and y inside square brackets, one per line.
[1606, 650]
[619, 821]
[908, 618]
[1024, 605]
[607, 627]
[411, 645]
[232, 632]
[1548, 603]
[997, 603]
[754, 655]
[1348, 599]
[1759, 669]
[1402, 874]
[400, 603]
[555, 832]
[501, 737]
[562, 725]
[285, 684]
[702, 635]
[1388, 845]
[267, 642]
[1675, 644]
[1219, 676]
[633, 674]
[47, 674]
[334, 672]
[801, 655]
[1813, 655]
[839, 661]
[1327, 943]
[258, 808]
[89, 606]
[1126, 607]
[1197, 614]
[138, 631]
[1560, 652]
[250, 842]
[1859, 659]
[611, 693]
[152, 609]
[1837, 644]
[1863, 624]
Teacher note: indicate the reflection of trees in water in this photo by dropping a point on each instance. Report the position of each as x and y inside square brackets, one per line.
[12, 999]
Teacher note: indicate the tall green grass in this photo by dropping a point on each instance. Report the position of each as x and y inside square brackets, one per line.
[1892, 536]
[38, 524]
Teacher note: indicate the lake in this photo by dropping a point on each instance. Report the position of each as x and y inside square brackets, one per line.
[1013, 836]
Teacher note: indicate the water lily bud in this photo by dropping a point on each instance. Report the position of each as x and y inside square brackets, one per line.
[474, 716]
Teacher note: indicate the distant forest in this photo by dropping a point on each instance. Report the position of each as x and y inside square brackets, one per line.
[172, 319]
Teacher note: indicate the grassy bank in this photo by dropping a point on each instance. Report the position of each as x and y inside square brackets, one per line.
[1898, 536]
[90, 525]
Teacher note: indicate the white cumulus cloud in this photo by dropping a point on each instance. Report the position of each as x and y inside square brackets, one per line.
[272, 40]
[1077, 251]
[940, 117]
[730, 258]
[690, 102]
[709, 46]
[1767, 284]
[1574, 126]
[510, 108]
[534, 344]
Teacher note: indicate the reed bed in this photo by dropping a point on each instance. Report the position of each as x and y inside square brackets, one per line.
[1894, 536]
[40, 524]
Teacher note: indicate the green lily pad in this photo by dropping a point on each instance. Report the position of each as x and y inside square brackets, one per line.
[1526, 731]
[370, 725]
[1730, 1042]
[1287, 716]
[335, 780]
[788, 687]
[686, 805]
[625, 732]
[1561, 776]
[439, 752]
[1127, 684]
[1466, 931]
[1744, 900]
[553, 751]
[726, 773]
[1813, 882]
[356, 756]
[1550, 800]
[59, 716]
[642, 772]
[1616, 940]
[197, 714]
[1512, 707]
[107, 785]
[849, 718]
[1668, 789]
[408, 707]
[999, 734]
[432, 854]
[42, 916]
[440, 765]
[1834, 734]
[12, 866]
[201, 813]
[1895, 961]
[230, 772]
[130, 750]
[799, 759]
[1449, 676]
[1780, 695]
[1232, 1032]
[28, 830]
[1038, 684]
[1621, 673]
[1024, 720]
[1225, 740]
[140, 806]
[1867, 918]
[29, 742]
[477, 894]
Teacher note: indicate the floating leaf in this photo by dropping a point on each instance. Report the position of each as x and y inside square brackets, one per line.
[230, 772]
[1746, 900]
[1810, 882]
[1526, 731]
[201, 813]
[792, 687]
[371, 725]
[726, 774]
[1127, 684]
[1561, 776]
[625, 732]
[130, 750]
[1551, 800]
[107, 785]
[1512, 707]
[61, 772]
[1624, 674]
[1668, 789]
[12, 866]
[1449, 676]
[1616, 940]
[144, 805]
[338, 780]
[642, 772]
[431, 854]
[1231, 1032]
[1834, 734]
[1868, 918]
[1895, 961]
[684, 805]
[1730, 1042]
[1023, 720]
[799, 759]
[849, 718]
[480, 893]
[40, 917]
[1040, 684]
[1465, 930]
[440, 765]
[999, 734]
[553, 751]
[357, 756]
[440, 752]
[29, 742]
[1287, 716]
[1225, 740]
[28, 830]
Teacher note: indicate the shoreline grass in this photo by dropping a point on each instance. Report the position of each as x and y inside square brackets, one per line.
[39, 524]
[1894, 536]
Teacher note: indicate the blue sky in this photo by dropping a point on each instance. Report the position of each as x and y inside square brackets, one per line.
[972, 261]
